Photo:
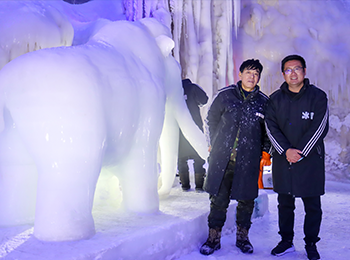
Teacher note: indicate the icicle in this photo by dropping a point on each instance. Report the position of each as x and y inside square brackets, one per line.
[147, 8]
[222, 42]
[138, 10]
[189, 53]
[176, 11]
[229, 47]
[196, 5]
[163, 4]
[345, 83]
[237, 14]
[128, 5]
[205, 50]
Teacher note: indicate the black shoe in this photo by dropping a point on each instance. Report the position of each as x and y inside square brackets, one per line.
[199, 190]
[245, 246]
[282, 248]
[311, 251]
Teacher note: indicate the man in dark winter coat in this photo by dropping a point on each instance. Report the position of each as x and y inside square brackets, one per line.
[297, 123]
[195, 98]
[238, 139]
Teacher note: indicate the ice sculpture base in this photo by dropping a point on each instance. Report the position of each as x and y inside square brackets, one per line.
[182, 221]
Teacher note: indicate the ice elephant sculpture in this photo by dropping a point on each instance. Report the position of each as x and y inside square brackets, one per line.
[67, 112]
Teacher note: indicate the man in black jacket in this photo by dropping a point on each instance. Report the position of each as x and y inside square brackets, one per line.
[237, 140]
[195, 98]
[297, 123]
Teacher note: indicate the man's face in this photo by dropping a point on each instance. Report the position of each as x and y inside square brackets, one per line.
[249, 79]
[294, 75]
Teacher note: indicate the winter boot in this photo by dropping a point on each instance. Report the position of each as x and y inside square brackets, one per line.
[199, 180]
[242, 241]
[213, 242]
[185, 180]
[311, 251]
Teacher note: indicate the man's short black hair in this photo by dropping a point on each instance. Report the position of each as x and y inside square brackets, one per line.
[293, 57]
[251, 65]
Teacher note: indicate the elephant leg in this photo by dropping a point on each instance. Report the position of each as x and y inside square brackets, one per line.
[18, 178]
[107, 195]
[65, 198]
[68, 155]
[139, 179]
[169, 146]
[138, 173]
[18, 193]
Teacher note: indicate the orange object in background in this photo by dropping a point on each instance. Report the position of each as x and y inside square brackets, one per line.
[265, 161]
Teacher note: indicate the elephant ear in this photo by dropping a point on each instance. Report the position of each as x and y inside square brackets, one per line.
[161, 34]
[165, 44]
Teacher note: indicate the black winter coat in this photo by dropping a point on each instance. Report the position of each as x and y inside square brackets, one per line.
[195, 98]
[228, 113]
[298, 121]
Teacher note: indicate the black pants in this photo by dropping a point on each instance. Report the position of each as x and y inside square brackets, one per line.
[312, 221]
[220, 203]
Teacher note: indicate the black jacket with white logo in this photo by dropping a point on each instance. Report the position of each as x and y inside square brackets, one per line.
[228, 113]
[298, 121]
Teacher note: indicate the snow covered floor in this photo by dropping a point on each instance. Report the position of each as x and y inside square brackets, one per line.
[181, 228]
[335, 231]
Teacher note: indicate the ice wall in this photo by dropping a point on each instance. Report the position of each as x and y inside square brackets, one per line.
[89, 17]
[28, 26]
[271, 30]
[337, 148]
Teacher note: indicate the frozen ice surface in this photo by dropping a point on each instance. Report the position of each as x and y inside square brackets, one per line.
[179, 230]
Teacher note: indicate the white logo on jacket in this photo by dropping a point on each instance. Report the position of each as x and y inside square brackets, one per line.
[307, 115]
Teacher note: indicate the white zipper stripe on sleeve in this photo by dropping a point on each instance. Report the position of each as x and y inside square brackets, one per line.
[278, 148]
[316, 135]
